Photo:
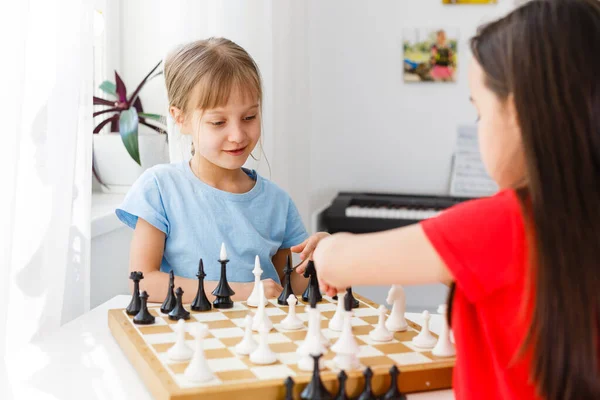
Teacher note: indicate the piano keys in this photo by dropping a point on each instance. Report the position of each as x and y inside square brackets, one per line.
[357, 212]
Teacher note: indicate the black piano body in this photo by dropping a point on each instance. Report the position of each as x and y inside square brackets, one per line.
[358, 212]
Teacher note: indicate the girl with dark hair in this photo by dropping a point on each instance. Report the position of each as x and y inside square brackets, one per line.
[523, 264]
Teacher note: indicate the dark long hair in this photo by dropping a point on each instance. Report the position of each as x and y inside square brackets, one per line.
[546, 55]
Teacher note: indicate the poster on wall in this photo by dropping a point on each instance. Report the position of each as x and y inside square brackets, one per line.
[469, 1]
[430, 54]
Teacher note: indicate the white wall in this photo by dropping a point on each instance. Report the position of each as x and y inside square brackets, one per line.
[338, 115]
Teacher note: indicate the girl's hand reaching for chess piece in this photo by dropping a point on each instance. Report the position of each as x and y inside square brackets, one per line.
[306, 249]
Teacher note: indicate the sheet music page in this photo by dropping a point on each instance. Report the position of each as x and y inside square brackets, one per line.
[469, 177]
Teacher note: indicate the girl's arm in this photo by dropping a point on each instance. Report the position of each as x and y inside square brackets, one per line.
[147, 247]
[299, 282]
[398, 256]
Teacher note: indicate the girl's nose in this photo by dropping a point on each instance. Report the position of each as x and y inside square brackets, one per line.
[236, 134]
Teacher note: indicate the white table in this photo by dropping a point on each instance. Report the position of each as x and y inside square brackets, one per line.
[81, 360]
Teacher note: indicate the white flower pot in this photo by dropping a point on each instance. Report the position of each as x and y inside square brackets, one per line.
[114, 165]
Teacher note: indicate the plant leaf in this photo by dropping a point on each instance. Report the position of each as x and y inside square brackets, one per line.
[106, 121]
[128, 127]
[121, 89]
[103, 102]
[106, 111]
[138, 105]
[154, 117]
[109, 88]
[142, 83]
[156, 128]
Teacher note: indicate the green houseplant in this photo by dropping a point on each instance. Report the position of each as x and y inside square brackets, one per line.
[125, 114]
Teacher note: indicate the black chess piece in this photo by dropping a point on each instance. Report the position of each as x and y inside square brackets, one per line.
[367, 393]
[143, 317]
[289, 388]
[315, 390]
[223, 291]
[179, 312]
[287, 285]
[170, 300]
[393, 393]
[135, 305]
[312, 299]
[201, 302]
[354, 301]
[341, 393]
[313, 283]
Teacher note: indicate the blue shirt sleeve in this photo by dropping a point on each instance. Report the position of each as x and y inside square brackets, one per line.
[144, 201]
[295, 232]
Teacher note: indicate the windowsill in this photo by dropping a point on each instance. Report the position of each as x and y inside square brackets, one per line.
[104, 219]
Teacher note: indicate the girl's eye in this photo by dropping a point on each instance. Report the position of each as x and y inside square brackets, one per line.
[217, 123]
[250, 118]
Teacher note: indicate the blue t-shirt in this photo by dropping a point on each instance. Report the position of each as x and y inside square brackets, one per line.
[196, 218]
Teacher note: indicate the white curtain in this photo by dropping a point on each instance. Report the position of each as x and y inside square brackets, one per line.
[45, 178]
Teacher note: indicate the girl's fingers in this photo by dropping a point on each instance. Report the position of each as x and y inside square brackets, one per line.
[299, 247]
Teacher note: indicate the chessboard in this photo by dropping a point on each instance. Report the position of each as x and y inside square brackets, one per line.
[146, 347]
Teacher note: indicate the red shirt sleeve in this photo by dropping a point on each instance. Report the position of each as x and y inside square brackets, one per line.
[481, 241]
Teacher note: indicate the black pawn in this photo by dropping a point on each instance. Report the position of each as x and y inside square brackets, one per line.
[313, 283]
[289, 388]
[143, 317]
[287, 284]
[135, 305]
[201, 302]
[367, 393]
[315, 390]
[393, 393]
[223, 291]
[178, 312]
[341, 393]
[170, 300]
[353, 299]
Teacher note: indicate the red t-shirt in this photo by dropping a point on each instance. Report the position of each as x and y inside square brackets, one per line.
[483, 244]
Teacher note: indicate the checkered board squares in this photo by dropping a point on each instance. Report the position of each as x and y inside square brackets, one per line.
[226, 329]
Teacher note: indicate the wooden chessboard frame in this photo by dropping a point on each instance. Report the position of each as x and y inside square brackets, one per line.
[413, 378]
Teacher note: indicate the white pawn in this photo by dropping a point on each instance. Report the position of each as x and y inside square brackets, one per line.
[444, 347]
[261, 319]
[291, 321]
[180, 351]
[425, 339]
[346, 348]
[381, 333]
[247, 345]
[263, 354]
[254, 297]
[198, 370]
[337, 321]
[397, 299]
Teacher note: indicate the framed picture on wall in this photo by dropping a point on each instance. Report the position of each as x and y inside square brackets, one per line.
[469, 1]
[430, 54]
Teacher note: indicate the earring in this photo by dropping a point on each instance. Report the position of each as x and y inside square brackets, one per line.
[193, 151]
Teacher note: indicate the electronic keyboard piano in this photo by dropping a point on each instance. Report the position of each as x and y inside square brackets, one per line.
[372, 212]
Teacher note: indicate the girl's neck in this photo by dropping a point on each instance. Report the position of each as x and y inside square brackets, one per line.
[234, 181]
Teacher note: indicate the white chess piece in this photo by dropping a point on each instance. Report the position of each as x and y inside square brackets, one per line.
[223, 254]
[180, 351]
[312, 343]
[381, 333]
[346, 348]
[254, 297]
[397, 299]
[337, 321]
[263, 354]
[291, 321]
[425, 339]
[261, 319]
[198, 369]
[444, 347]
[247, 345]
